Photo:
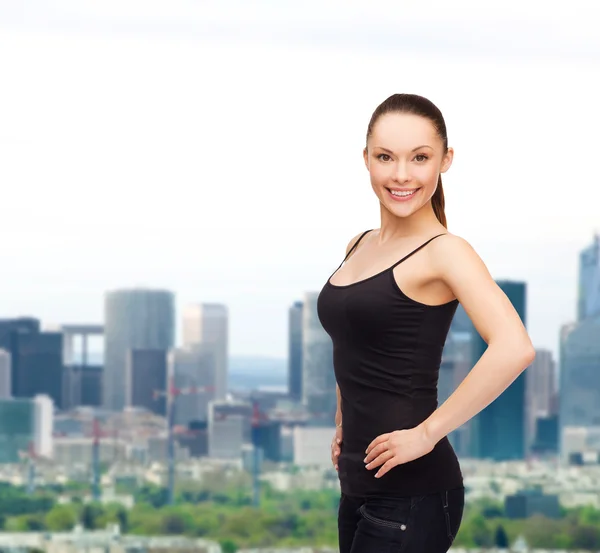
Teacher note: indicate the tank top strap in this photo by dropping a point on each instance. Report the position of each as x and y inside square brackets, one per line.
[353, 247]
[417, 249]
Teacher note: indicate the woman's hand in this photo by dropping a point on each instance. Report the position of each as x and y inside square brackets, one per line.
[395, 448]
[336, 446]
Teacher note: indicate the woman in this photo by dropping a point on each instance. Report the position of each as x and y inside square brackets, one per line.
[388, 311]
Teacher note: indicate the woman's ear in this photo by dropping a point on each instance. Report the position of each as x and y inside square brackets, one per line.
[447, 160]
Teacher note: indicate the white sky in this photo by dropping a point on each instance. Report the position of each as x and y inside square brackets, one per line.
[214, 148]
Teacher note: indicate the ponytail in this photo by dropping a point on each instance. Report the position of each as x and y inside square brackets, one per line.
[437, 202]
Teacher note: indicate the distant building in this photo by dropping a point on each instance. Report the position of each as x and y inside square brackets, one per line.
[10, 329]
[527, 503]
[5, 375]
[26, 426]
[194, 439]
[312, 446]
[546, 435]
[457, 361]
[267, 436]
[319, 384]
[221, 410]
[82, 379]
[579, 376]
[193, 369]
[580, 442]
[134, 320]
[541, 388]
[69, 451]
[498, 431]
[588, 304]
[207, 324]
[83, 385]
[225, 434]
[147, 379]
[40, 369]
[295, 351]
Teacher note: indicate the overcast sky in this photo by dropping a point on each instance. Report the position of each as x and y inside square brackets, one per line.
[214, 148]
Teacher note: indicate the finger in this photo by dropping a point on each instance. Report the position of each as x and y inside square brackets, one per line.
[378, 461]
[377, 441]
[387, 466]
[376, 451]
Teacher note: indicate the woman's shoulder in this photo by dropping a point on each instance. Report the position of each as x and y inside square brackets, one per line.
[355, 239]
[452, 249]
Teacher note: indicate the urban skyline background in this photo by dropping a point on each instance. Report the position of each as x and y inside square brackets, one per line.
[217, 151]
[181, 177]
[173, 403]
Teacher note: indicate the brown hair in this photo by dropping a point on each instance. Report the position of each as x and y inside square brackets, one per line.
[417, 105]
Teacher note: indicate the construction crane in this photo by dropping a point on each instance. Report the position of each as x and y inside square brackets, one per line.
[171, 393]
[96, 460]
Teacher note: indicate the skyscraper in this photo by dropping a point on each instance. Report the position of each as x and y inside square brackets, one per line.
[5, 375]
[579, 374]
[193, 366]
[457, 361]
[40, 370]
[498, 431]
[588, 303]
[208, 324]
[295, 351]
[146, 380]
[579, 404]
[9, 331]
[318, 378]
[134, 319]
[540, 383]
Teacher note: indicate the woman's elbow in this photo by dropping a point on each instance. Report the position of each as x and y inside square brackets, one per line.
[528, 353]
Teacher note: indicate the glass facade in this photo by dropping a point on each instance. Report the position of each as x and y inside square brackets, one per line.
[134, 319]
[17, 428]
[498, 431]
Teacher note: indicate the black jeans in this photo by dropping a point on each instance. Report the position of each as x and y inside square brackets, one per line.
[418, 524]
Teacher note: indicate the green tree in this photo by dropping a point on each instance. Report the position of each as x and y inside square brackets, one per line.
[25, 523]
[586, 537]
[501, 539]
[90, 514]
[60, 518]
[481, 533]
[542, 532]
[228, 546]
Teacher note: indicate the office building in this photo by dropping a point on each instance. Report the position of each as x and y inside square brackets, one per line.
[295, 351]
[207, 324]
[137, 319]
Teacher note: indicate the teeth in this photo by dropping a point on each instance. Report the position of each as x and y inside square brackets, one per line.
[398, 193]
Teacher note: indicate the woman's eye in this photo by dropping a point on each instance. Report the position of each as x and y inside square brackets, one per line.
[421, 157]
[382, 156]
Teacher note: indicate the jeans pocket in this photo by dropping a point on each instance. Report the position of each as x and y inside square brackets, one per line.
[390, 513]
[453, 504]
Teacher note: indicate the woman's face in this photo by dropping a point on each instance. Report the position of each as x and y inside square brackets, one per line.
[405, 157]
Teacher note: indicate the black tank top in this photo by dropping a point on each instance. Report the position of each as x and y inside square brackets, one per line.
[387, 350]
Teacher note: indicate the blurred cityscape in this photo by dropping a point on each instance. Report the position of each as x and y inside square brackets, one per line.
[111, 430]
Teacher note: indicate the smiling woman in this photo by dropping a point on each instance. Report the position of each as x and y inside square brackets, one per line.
[388, 312]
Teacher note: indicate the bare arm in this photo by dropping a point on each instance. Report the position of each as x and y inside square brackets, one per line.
[509, 349]
[338, 411]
